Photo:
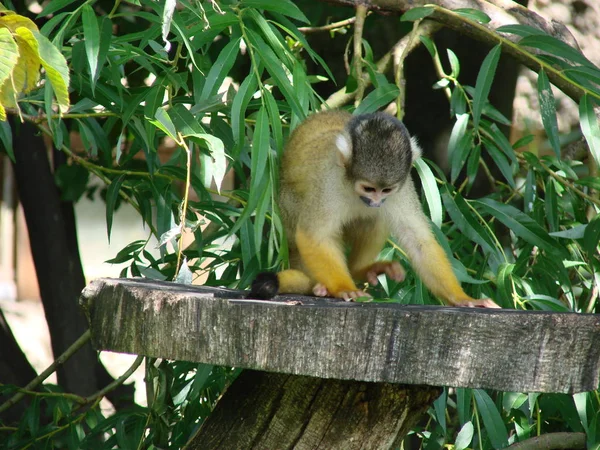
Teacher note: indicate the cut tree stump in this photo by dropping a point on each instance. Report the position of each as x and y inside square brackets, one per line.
[337, 374]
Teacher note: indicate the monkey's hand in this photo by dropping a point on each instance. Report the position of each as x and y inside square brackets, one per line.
[392, 269]
[320, 290]
[472, 303]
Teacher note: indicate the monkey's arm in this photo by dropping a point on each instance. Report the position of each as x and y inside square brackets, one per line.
[323, 258]
[427, 257]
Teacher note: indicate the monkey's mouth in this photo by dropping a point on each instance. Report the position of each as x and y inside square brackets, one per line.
[370, 203]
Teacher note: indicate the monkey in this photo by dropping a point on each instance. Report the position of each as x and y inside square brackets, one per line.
[345, 181]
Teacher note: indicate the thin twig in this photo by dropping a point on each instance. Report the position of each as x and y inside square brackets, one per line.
[361, 14]
[80, 342]
[328, 27]
[399, 57]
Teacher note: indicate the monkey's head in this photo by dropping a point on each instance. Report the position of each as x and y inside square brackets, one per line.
[377, 152]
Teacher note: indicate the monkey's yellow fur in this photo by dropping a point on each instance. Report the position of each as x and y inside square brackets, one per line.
[334, 168]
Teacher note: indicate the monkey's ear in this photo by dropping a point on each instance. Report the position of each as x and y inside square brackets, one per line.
[416, 149]
[344, 146]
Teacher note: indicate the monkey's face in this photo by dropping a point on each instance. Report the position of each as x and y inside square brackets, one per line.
[372, 194]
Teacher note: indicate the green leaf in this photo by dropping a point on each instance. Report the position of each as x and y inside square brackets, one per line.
[551, 206]
[54, 6]
[525, 140]
[429, 45]
[454, 64]
[106, 29]
[238, 110]
[417, 13]
[464, 398]
[184, 276]
[6, 139]
[112, 194]
[220, 68]
[473, 14]
[378, 98]
[548, 109]
[520, 30]
[260, 148]
[10, 55]
[464, 437]
[275, 69]
[164, 122]
[501, 163]
[54, 63]
[274, 120]
[591, 237]
[556, 47]
[285, 7]
[91, 34]
[432, 193]
[492, 419]
[521, 224]
[459, 145]
[467, 223]
[589, 125]
[217, 153]
[484, 82]
[576, 232]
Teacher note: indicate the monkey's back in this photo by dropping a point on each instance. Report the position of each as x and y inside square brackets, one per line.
[308, 170]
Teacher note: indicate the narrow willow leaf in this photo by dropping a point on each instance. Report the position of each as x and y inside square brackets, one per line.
[501, 163]
[464, 397]
[220, 68]
[164, 122]
[520, 30]
[106, 28]
[55, 65]
[454, 63]
[429, 45]
[545, 303]
[556, 47]
[439, 406]
[7, 140]
[260, 148]
[167, 18]
[473, 14]
[484, 82]
[548, 109]
[184, 276]
[54, 6]
[417, 13]
[521, 224]
[591, 237]
[378, 98]
[432, 193]
[464, 219]
[274, 120]
[551, 206]
[276, 70]
[276, 42]
[576, 232]
[238, 110]
[459, 145]
[458, 103]
[112, 194]
[217, 153]
[525, 140]
[285, 7]
[588, 118]
[91, 35]
[464, 437]
[492, 419]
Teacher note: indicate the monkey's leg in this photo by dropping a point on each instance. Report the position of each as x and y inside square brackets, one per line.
[366, 239]
[324, 260]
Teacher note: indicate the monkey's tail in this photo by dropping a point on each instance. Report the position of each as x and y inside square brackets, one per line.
[267, 285]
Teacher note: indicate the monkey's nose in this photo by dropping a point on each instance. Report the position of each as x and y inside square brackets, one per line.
[370, 203]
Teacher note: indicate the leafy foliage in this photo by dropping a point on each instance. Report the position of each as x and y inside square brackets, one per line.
[226, 84]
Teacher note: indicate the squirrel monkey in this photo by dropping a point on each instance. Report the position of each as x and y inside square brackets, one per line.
[345, 180]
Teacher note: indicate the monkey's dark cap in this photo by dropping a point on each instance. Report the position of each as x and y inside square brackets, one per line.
[381, 148]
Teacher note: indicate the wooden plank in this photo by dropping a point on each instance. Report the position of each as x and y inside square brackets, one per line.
[508, 350]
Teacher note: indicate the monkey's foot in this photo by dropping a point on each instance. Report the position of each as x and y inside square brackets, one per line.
[472, 303]
[392, 269]
[321, 291]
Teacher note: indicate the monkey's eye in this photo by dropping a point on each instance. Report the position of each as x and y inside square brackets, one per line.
[386, 190]
[368, 189]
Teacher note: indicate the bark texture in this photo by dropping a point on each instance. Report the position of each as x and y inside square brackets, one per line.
[518, 351]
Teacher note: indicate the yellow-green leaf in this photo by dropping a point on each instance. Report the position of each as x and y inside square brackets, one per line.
[54, 64]
[27, 70]
[9, 55]
[12, 21]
